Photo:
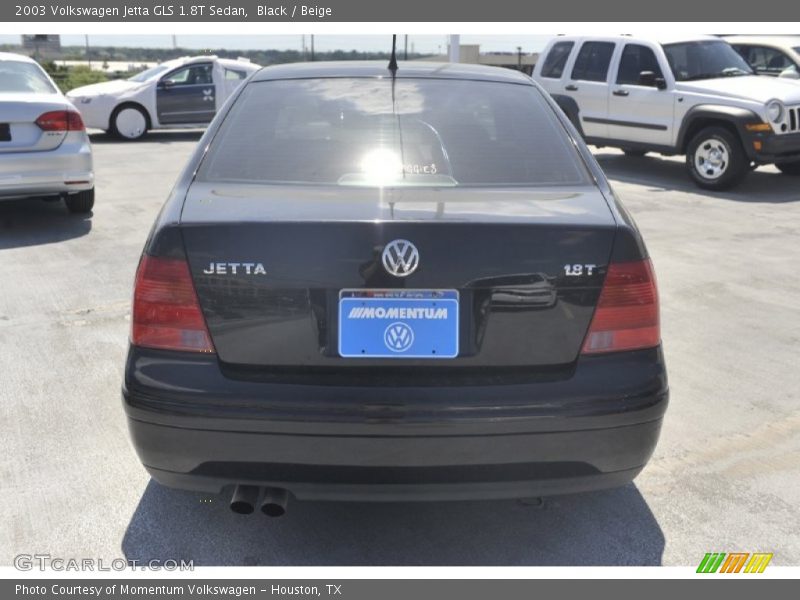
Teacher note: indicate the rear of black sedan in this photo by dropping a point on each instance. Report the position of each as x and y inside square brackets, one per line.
[378, 286]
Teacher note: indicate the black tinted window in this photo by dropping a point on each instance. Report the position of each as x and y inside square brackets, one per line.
[556, 60]
[592, 61]
[194, 75]
[363, 132]
[705, 59]
[634, 60]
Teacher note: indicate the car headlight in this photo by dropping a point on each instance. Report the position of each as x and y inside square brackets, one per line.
[775, 111]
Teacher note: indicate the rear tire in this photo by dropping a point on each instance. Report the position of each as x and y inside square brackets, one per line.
[129, 122]
[792, 168]
[80, 203]
[634, 152]
[716, 160]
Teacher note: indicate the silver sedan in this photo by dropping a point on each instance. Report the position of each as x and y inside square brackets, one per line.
[44, 148]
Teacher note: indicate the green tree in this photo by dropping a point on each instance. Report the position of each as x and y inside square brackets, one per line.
[69, 78]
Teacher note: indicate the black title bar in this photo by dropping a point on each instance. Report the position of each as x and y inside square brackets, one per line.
[398, 11]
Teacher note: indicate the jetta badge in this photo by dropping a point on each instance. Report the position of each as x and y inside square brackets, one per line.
[400, 258]
[235, 268]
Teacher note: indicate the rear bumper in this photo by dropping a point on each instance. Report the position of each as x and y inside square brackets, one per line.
[594, 429]
[64, 170]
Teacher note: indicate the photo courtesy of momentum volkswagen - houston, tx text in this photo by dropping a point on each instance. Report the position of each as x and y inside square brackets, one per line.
[279, 294]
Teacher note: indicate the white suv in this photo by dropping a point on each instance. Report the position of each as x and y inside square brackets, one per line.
[694, 96]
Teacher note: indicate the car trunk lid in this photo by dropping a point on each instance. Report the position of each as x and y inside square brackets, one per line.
[18, 129]
[269, 263]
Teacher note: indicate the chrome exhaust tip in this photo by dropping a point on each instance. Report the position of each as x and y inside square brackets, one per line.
[274, 502]
[244, 499]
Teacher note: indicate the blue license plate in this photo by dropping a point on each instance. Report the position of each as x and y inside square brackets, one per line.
[398, 323]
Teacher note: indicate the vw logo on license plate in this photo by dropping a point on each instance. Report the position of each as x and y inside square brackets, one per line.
[398, 337]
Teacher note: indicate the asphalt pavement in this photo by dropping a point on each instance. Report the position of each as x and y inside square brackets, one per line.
[725, 476]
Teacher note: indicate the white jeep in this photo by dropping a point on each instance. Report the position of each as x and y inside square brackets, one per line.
[694, 96]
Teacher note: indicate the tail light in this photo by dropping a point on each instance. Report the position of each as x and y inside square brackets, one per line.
[166, 312]
[60, 120]
[626, 317]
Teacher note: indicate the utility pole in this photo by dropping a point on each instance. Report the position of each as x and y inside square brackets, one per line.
[405, 48]
[312, 47]
[519, 58]
[88, 58]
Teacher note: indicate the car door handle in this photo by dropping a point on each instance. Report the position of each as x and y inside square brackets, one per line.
[571, 88]
[621, 92]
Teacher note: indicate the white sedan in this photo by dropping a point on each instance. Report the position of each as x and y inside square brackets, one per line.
[775, 55]
[44, 149]
[185, 92]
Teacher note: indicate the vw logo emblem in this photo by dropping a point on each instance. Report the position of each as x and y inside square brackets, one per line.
[400, 258]
[398, 337]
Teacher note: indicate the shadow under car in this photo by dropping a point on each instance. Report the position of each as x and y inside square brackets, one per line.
[613, 527]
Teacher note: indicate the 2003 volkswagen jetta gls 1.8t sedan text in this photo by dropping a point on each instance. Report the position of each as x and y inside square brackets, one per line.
[382, 284]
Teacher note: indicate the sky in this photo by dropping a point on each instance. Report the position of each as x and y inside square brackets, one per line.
[425, 44]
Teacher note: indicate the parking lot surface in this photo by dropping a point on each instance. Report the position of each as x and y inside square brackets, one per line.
[725, 476]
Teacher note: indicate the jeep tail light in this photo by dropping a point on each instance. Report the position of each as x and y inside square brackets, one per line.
[626, 317]
[60, 120]
[166, 312]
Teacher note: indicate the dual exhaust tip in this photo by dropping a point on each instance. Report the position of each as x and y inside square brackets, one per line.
[273, 503]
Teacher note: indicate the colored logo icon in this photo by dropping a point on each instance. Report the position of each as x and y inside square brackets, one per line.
[734, 562]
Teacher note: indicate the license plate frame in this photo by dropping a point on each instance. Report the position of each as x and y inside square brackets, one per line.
[429, 330]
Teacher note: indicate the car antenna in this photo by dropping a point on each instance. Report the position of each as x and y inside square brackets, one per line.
[393, 59]
[393, 68]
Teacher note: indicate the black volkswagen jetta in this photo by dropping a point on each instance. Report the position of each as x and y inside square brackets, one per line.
[410, 284]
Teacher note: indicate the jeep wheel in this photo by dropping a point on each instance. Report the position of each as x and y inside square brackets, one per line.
[634, 152]
[82, 202]
[792, 168]
[715, 159]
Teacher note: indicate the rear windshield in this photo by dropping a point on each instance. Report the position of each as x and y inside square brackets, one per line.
[373, 132]
[24, 77]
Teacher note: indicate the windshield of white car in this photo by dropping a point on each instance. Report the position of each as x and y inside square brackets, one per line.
[707, 59]
[148, 74]
[24, 77]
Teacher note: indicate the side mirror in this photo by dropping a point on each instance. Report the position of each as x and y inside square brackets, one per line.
[649, 79]
[166, 83]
